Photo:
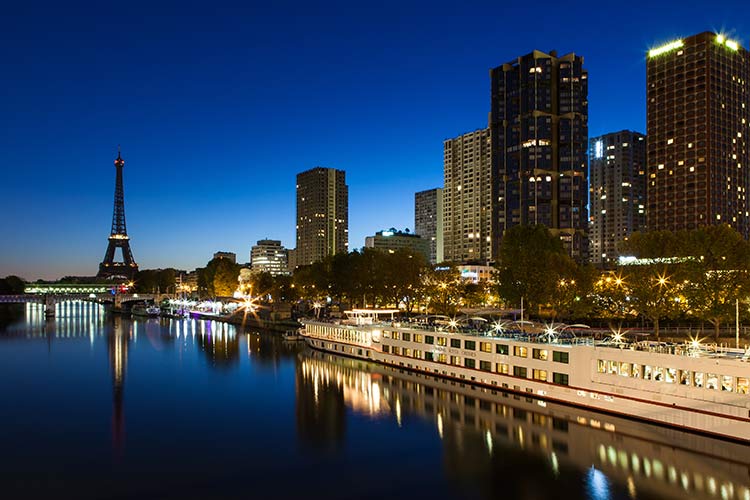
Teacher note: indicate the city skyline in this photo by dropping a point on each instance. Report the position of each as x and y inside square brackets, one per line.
[211, 144]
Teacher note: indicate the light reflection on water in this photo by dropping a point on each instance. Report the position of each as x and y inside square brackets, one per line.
[170, 399]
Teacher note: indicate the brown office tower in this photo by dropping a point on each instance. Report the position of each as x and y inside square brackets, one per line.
[539, 130]
[322, 214]
[697, 114]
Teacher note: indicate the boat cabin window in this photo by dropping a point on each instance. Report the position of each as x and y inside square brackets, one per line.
[501, 368]
[727, 383]
[712, 381]
[698, 379]
[743, 385]
[560, 356]
[539, 354]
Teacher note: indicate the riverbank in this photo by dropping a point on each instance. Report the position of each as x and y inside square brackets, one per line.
[251, 321]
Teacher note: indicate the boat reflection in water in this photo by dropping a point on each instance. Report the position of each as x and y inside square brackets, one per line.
[506, 444]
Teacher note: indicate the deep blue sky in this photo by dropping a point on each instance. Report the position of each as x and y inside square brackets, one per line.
[218, 106]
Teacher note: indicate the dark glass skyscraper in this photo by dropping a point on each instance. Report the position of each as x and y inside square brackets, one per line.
[539, 133]
[697, 118]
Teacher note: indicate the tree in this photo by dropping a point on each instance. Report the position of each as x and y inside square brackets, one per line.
[573, 296]
[401, 272]
[716, 275]
[225, 277]
[442, 289]
[218, 278]
[531, 263]
[12, 285]
[653, 292]
[610, 296]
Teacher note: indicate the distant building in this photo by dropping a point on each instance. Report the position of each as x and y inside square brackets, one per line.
[270, 257]
[231, 256]
[186, 282]
[428, 221]
[291, 258]
[322, 214]
[475, 273]
[698, 120]
[539, 128]
[393, 240]
[617, 172]
[467, 198]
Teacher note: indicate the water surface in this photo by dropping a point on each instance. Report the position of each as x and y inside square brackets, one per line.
[102, 406]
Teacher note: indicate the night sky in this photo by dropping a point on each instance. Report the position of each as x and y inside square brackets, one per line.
[218, 106]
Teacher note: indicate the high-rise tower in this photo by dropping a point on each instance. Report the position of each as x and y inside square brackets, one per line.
[322, 214]
[617, 172]
[697, 119]
[428, 220]
[539, 130]
[467, 198]
[118, 237]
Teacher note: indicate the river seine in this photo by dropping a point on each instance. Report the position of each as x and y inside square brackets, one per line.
[95, 405]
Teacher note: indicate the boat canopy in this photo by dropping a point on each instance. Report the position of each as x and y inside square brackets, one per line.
[369, 316]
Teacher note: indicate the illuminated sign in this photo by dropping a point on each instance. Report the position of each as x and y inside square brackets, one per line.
[598, 149]
[665, 48]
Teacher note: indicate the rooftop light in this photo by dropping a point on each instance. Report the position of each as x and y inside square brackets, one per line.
[665, 48]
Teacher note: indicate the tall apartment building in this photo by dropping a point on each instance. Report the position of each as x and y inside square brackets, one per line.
[697, 126]
[322, 214]
[617, 173]
[270, 257]
[539, 129]
[467, 198]
[428, 221]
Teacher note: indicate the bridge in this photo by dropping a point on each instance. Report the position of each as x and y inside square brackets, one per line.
[49, 300]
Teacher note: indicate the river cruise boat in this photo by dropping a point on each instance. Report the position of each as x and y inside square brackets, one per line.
[703, 389]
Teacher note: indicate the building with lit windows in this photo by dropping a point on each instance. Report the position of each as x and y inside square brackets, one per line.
[393, 240]
[697, 127]
[467, 198]
[322, 214]
[539, 130]
[617, 174]
[268, 256]
[231, 256]
[428, 221]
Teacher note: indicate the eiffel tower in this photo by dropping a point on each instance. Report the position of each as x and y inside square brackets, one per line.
[118, 238]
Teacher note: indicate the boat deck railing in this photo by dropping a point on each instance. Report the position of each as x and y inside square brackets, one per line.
[565, 337]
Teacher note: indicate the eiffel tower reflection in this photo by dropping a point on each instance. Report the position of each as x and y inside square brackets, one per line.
[117, 347]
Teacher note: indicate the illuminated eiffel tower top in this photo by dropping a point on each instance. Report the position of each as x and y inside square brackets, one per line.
[118, 237]
[118, 216]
